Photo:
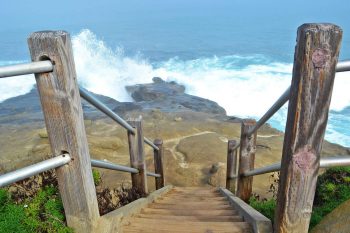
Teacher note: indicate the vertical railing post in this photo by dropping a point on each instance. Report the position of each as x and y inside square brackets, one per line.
[137, 156]
[158, 163]
[246, 160]
[315, 59]
[60, 101]
[231, 173]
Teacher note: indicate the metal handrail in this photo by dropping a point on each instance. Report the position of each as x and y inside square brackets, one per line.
[342, 66]
[153, 174]
[34, 169]
[117, 167]
[47, 66]
[26, 68]
[103, 108]
[274, 108]
[112, 166]
[236, 146]
[324, 163]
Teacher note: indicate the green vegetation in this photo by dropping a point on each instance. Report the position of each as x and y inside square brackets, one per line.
[97, 177]
[266, 207]
[34, 204]
[41, 213]
[333, 188]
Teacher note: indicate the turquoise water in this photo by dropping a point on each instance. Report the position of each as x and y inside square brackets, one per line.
[237, 53]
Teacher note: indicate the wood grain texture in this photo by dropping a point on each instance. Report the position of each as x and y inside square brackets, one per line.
[60, 100]
[137, 156]
[158, 163]
[259, 222]
[316, 56]
[231, 171]
[246, 160]
[185, 216]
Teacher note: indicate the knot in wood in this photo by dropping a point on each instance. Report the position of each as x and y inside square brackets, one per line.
[319, 58]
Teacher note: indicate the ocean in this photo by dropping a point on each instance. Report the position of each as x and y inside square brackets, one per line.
[236, 53]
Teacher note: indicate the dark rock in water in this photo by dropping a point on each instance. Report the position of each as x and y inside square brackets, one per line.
[21, 109]
[159, 90]
[171, 97]
[27, 108]
[165, 96]
[158, 80]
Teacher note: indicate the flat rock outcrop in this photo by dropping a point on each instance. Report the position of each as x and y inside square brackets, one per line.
[171, 97]
[194, 130]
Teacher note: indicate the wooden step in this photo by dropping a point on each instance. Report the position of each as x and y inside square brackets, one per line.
[190, 209]
[222, 218]
[177, 189]
[189, 212]
[191, 199]
[191, 206]
[158, 225]
[187, 202]
[189, 195]
[211, 195]
[194, 190]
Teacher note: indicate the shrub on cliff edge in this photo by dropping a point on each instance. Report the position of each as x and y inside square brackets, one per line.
[42, 213]
[332, 189]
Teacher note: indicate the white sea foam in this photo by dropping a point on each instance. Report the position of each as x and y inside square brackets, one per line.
[105, 71]
[245, 86]
[15, 86]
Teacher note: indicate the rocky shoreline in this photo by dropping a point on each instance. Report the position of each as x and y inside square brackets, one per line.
[195, 133]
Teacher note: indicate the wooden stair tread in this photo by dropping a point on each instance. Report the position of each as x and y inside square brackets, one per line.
[190, 206]
[195, 194]
[190, 212]
[223, 218]
[188, 209]
[193, 199]
[157, 225]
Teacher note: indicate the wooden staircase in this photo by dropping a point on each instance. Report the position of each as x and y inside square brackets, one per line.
[189, 209]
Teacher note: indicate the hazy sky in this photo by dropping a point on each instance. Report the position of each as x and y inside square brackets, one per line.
[215, 26]
[38, 14]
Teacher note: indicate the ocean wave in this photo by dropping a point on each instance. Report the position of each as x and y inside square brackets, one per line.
[15, 86]
[246, 86]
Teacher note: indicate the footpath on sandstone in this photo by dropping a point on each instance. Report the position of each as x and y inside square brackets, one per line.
[195, 132]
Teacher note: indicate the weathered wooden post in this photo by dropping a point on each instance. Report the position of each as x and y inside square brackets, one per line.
[231, 173]
[158, 163]
[246, 160]
[60, 101]
[137, 156]
[315, 58]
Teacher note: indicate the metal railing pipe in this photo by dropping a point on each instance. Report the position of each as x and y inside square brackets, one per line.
[153, 174]
[112, 166]
[34, 169]
[26, 68]
[263, 170]
[237, 146]
[324, 163]
[150, 143]
[103, 108]
[343, 66]
[335, 161]
[274, 108]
